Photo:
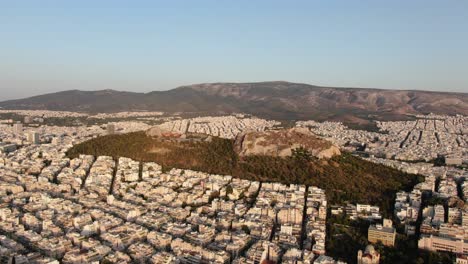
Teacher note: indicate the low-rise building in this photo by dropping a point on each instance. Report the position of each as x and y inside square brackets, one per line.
[385, 233]
[438, 243]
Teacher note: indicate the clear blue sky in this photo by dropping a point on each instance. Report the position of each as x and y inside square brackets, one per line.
[48, 46]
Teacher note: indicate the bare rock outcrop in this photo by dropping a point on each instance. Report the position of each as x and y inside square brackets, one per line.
[281, 143]
[159, 132]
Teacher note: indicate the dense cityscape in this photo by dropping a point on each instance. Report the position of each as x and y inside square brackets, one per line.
[233, 132]
[100, 209]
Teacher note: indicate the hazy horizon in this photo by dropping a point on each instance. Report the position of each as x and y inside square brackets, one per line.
[136, 91]
[143, 46]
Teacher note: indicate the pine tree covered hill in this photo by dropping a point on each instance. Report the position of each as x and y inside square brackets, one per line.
[345, 178]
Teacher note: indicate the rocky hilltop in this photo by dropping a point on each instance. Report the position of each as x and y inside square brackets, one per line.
[158, 131]
[281, 143]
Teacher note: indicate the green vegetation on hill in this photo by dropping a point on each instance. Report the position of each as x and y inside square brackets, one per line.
[345, 177]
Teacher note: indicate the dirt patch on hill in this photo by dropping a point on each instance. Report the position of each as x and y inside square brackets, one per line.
[281, 143]
[159, 150]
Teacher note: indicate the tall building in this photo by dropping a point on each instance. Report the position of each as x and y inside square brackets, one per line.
[385, 233]
[18, 129]
[32, 137]
[439, 214]
[369, 256]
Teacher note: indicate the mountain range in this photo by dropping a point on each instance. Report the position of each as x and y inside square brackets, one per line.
[277, 100]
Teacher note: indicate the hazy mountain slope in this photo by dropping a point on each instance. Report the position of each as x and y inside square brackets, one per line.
[75, 100]
[268, 99]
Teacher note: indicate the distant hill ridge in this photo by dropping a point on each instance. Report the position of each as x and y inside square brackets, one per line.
[279, 100]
